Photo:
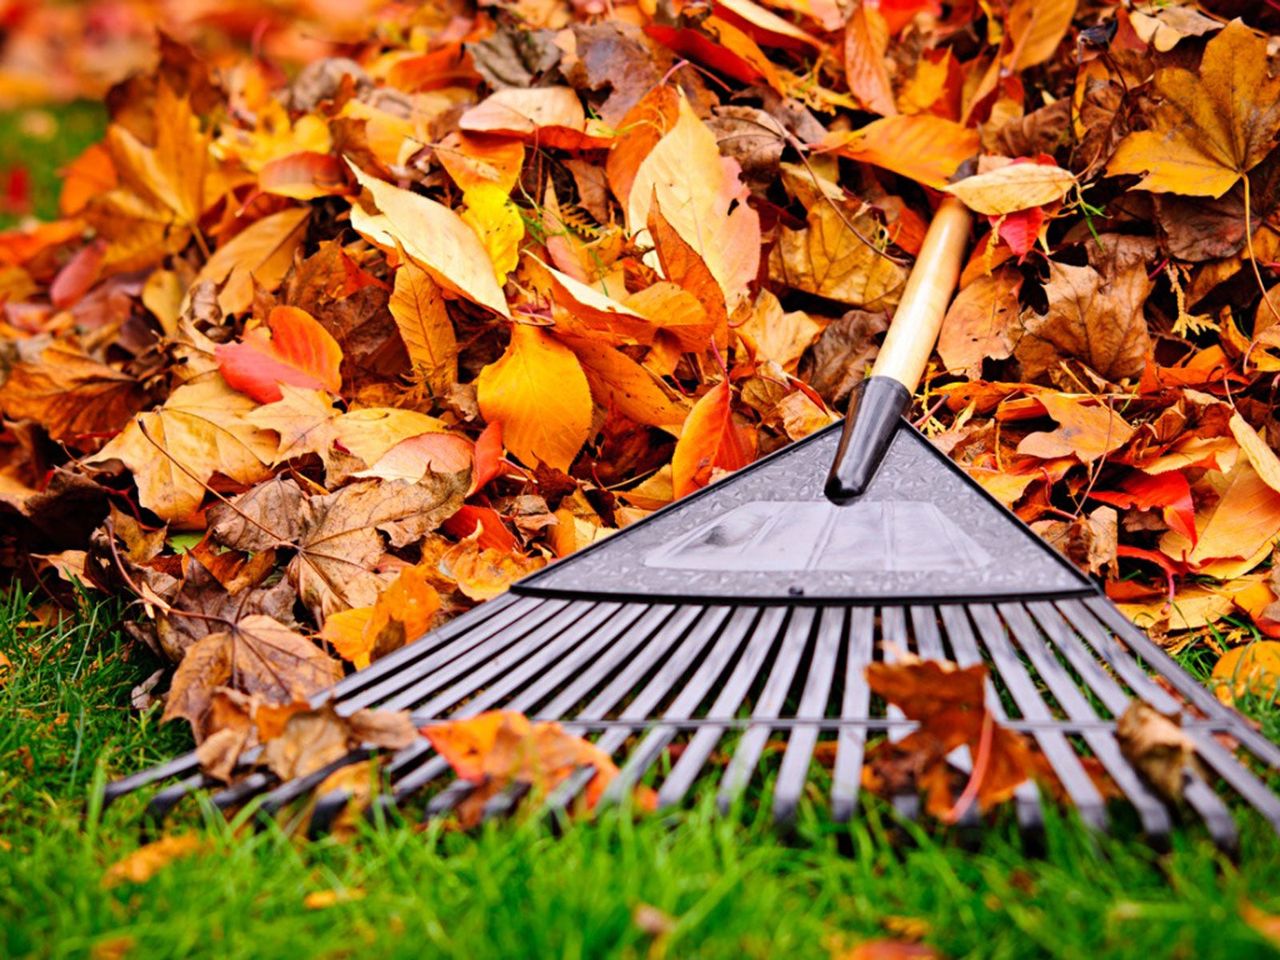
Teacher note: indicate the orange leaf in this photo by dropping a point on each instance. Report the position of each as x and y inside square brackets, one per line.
[298, 352]
[711, 440]
[866, 41]
[924, 148]
[304, 176]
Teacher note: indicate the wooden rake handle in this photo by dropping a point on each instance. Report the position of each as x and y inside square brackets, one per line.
[873, 418]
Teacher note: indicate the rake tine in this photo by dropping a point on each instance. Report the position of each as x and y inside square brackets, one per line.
[597, 636]
[1152, 813]
[752, 657]
[291, 790]
[165, 800]
[711, 667]
[1265, 750]
[183, 766]
[846, 778]
[1053, 744]
[769, 707]
[1089, 633]
[481, 646]
[242, 791]
[1241, 780]
[965, 645]
[893, 628]
[813, 702]
[496, 614]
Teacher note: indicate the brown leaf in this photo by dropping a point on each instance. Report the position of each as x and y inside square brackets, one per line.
[418, 307]
[257, 655]
[259, 255]
[981, 322]
[313, 739]
[1157, 746]
[71, 395]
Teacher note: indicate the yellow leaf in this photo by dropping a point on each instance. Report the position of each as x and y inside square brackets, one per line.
[371, 431]
[1211, 128]
[496, 221]
[1086, 431]
[6, 668]
[145, 862]
[1252, 669]
[172, 173]
[1260, 454]
[539, 394]
[1242, 523]
[323, 899]
[175, 450]
[1013, 187]
[434, 236]
[260, 254]
[1036, 27]
[419, 311]
[695, 188]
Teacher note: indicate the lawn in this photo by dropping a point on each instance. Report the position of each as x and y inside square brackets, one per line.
[41, 141]
[719, 886]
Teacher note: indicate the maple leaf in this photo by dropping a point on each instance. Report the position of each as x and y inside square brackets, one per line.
[174, 451]
[313, 739]
[257, 655]
[298, 352]
[1211, 129]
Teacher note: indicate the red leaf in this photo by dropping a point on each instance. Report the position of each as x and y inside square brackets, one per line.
[1169, 491]
[487, 456]
[710, 440]
[81, 272]
[493, 532]
[703, 50]
[298, 352]
[1020, 229]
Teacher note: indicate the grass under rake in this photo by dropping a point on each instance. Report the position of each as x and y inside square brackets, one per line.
[731, 886]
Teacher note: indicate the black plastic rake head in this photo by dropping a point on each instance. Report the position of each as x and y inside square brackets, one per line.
[742, 619]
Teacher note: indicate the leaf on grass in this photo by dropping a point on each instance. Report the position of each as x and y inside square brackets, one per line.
[175, 450]
[70, 394]
[313, 739]
[418, 307]
[148, 860]
[299, 352]
[712, 440]
[1253, 669]
[539, 394]
[950, 705]
[497, 749]
[1211, 128]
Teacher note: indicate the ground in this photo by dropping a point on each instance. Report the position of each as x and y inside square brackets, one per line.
[727, 886]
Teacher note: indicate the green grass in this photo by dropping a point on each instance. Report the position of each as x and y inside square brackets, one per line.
[731, 885]
[42, 140]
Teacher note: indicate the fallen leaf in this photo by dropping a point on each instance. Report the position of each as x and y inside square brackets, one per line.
[325, 899]
[148, 860]
[419, 310]
[1016, 186]
[888, 950]
[1213, 126]
[433, 236]
[401, 614]
[1157, 746]
[702, 197]
[175, 450]
[1086, 430]
[299, 352]
[313, 739]
[70, 394]
[539, 394]
[924, 148]
[711, 440]
[866, 45]
[483, 573]
[260, 254]
[981, 322]
[1253, 669]
[258, 655]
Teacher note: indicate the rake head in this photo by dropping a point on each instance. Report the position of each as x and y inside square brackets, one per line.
[743, 620]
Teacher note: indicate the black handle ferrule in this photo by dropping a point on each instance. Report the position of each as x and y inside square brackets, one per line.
[873, 418]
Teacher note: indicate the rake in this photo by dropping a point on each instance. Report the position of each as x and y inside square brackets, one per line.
[743, 618]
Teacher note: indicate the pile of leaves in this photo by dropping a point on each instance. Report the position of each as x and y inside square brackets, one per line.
[316, 359]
